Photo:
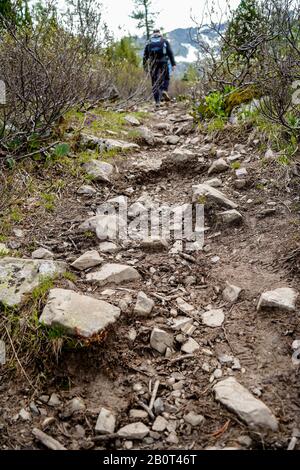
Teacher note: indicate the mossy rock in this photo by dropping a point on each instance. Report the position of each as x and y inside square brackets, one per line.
[239, 97]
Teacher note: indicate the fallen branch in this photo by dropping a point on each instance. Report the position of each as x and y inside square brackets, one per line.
[48, 441]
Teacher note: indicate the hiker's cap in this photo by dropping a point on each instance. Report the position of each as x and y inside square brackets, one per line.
[156, 31]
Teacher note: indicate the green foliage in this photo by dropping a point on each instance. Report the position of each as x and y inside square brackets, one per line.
[244, 26]
[15, 12]
[61, 150]
[237, 97]
[123, 51]
[191, 75]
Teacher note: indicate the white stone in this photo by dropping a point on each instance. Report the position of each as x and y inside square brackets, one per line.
[160, 424]
[181, 322]
[218, 373]
[160, 340]
[296, 344]
[114, 273]
[207, 194]
[138, 414]
[213, 318]
[173, 438]
[147, 135]
[87, 260]
[134, 431]
[109, 227]
[190, 346]
[249, 409]
[106, 422]
[132, 120]
[99, 171]
[25, 415]
[42, 253]
[218, 166]
[54, 400]
[283, 298]
[181, 156]
[136, 210]
[214, 183]
[193, 419]
[231, 217]
[107, 144]
[144, 305]
[231, 293]
[241, 173]
[184, 306]
[78, 314]
[75, 405]
[108, 247]
[86, 190]
[172, 139]
[19, 277]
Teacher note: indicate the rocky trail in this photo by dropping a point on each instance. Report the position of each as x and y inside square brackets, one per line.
[180, 349]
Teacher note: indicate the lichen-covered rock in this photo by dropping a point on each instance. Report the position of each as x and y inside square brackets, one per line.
[19, 277]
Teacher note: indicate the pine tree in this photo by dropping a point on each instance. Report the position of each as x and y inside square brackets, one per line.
[244, 26]
[144, 16]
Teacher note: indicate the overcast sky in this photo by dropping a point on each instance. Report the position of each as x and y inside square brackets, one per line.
[173, 13]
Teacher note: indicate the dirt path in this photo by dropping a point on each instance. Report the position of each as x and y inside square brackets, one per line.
[122, 374]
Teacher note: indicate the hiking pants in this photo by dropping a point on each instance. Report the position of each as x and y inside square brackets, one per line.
[160, 76]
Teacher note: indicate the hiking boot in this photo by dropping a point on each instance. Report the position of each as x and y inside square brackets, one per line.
[166, 96]
[157, 105]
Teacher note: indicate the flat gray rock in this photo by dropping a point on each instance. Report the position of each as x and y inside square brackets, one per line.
[134, 431]
[19, 277]
[93, 142]
[231, 293]
[86, 190]
[106, 422]
[231, 217]
[213, 318]
[89, 259]
[42, 253]
[180, 156]
[283, 298]
[132, 120]
[78, 314]
[99, 171]
[203, 193]
[114, 274]
[160, 340]
[249, 409]
[147, 135]
[214, 183]
[108, 247]
[144, 305]
[218, 166]
[190, 346]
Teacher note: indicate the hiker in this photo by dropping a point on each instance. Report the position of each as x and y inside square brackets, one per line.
[157, 55]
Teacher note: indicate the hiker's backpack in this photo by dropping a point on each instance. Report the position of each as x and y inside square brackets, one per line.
[158, 49]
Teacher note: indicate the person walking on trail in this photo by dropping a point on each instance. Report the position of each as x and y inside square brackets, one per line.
[157, 55]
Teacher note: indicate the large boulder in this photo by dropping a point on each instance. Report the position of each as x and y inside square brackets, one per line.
[78, 314]
[19, 277]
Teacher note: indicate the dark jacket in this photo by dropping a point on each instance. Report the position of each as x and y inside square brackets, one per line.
[164, 59]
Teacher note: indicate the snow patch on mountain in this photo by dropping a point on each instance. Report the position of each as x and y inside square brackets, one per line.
[191, 55]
